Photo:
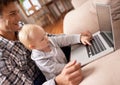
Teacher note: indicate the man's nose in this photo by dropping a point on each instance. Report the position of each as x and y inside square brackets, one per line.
[18, 17]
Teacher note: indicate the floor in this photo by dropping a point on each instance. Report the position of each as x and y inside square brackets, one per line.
[55, 28]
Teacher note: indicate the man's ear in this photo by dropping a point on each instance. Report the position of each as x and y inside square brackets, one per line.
[31, 46]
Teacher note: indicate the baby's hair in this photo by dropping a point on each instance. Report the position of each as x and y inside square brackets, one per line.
[25, 34]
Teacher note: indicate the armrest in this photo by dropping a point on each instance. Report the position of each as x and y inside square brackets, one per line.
[104, 71]
[81, 19]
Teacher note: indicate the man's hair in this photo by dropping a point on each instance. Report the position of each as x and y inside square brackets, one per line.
[5, 3]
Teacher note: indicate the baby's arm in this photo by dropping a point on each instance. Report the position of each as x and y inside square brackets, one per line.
[69, 39]
[66, 39]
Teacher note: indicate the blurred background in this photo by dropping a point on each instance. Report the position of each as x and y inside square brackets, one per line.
[47, 13]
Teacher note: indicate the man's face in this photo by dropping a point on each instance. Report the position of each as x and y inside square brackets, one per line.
[10, 18]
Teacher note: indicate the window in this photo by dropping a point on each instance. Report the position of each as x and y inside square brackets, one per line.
[30, 6]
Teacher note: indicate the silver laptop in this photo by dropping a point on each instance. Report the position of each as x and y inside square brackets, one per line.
[104, 41]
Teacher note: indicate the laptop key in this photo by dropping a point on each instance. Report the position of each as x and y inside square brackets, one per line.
[101, 44]
[99, 47]
[107, 40]
[102, 47]
[96, 47]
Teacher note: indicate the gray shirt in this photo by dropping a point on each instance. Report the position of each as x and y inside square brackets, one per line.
[52, 63]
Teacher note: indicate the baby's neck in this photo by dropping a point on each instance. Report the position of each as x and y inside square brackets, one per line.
[48, 49]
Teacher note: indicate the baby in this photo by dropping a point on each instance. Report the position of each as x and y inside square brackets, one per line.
[46, 51]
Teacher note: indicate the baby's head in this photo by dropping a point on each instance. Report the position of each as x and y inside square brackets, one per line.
[33, 37]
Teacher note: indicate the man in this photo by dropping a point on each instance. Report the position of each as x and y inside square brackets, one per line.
[16, 67]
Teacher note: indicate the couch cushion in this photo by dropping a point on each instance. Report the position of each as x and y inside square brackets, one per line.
[77, 3]
[85, 17]
[81, 19]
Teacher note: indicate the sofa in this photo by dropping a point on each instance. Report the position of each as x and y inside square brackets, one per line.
[106, 70]
[84, 15]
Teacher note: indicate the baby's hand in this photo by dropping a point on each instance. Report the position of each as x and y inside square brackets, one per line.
[86, 37]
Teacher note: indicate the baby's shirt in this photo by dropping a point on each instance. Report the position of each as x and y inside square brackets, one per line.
[51, 63]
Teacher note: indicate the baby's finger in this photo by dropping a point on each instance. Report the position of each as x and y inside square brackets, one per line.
[87, 42]
[83, 42]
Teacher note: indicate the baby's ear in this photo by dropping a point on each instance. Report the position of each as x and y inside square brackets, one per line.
[31, 46]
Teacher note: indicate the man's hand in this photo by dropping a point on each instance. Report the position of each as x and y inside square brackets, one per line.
[86, 37]
[70, 75]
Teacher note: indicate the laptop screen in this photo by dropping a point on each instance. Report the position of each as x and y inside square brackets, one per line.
[105, 20]
[107, 24]
[104, 17]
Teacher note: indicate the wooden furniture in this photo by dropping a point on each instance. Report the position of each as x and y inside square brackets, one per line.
[48, 13]
[59, 8]
[43, 17]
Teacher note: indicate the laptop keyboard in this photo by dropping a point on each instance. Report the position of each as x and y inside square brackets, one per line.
[107, 39]
[96, 47]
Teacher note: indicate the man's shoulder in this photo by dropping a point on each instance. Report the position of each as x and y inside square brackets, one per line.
[7, 44]
[10, 47]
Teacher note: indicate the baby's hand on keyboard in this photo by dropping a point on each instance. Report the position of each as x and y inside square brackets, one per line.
[86, 37]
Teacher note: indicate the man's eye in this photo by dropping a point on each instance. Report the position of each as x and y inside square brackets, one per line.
[13, 14]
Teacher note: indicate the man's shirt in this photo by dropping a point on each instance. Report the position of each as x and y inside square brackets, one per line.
[16, 67]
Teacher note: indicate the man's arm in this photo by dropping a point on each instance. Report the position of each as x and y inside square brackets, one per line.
[15, 64]
[12, 74]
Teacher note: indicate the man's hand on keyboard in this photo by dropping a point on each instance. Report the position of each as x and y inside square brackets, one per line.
[86, 37]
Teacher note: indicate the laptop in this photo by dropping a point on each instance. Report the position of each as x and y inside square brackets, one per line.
[104, 41]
